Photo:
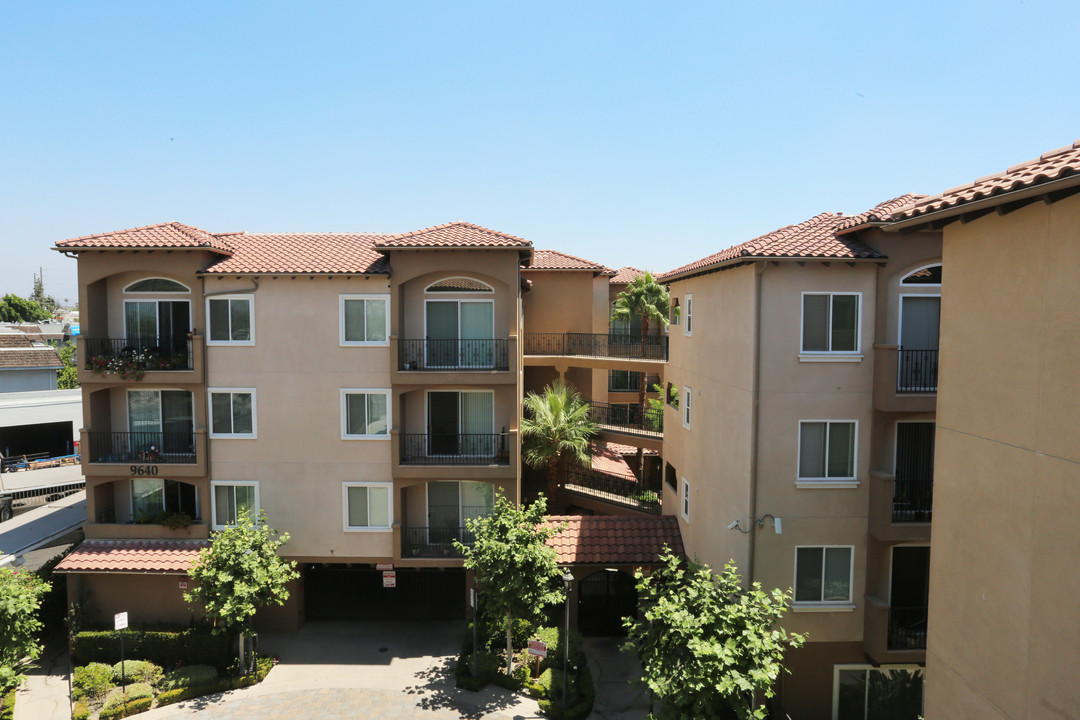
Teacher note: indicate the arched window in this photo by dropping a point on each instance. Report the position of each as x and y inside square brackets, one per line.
[459, 285]
[157, 285]
[929, 275]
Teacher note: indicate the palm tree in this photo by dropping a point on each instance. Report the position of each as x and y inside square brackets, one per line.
[556, 431]
[650, 300]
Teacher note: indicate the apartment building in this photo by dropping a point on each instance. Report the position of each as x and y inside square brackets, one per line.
[1004, 584]
[802, 445]
[362, 389]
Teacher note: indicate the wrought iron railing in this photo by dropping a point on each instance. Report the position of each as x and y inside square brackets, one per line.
[151, 354]
[430, 542]
[916, 371]
[913, 500]
[628, 417]
[444, 355]
[455, 449]
[907, 628]
[141, 447]
[625, 490]
[625, 347]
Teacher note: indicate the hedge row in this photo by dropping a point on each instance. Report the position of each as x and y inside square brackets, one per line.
[169, 697]
[188, 647]
[126, 709]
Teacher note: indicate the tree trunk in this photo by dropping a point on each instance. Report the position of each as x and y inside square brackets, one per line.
[509, 645]
[642, 385]
[243, 665]
[553, 483]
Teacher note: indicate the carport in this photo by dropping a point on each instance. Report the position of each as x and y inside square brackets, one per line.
[357, 592]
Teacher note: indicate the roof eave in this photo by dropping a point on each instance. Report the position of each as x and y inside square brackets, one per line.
[770, 258]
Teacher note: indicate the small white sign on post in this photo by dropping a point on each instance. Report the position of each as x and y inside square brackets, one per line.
[384, 566]
[389, 579]
[120, 621]
[538, 648]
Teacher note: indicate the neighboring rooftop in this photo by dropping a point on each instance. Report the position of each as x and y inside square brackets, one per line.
[300, 253]
[18, 352]
[626, 275]
[458, 234]
[163, 235]
[614, 539]
[170, 557]
[555, 260]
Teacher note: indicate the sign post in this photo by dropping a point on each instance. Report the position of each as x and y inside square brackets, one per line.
[475, 622]
[120, 622]
[538, 648]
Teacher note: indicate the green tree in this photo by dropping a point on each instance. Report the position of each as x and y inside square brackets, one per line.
[38, 296]
[20, 598]
[14, 309]
[707, 645]
[556, 431]
[68, 377]
[656, 406]
[239, 573]
[516, 573]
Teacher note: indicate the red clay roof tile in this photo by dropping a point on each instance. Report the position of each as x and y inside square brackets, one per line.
[879, 214]
[300, 253]
[171, 557]
[626, 275]
[162, 235]
[614, 539]
[555, 260]
[454, 235]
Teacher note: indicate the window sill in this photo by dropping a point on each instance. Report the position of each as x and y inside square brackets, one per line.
[233, 437]
[827, 484]
[365, 437]
[349, 343]
[368, 530]
[823, 608]
[226, 343]
[826, 358]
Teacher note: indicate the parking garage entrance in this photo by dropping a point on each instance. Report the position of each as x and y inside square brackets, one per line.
[356, 592]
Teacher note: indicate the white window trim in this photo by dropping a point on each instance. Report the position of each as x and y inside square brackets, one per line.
[250, 297]
[824, 605]
[688, 325]
[253, 435]
[687, 409]
[824, 482]
[229, 483]
[831, 355]
[345, 506]
[171, 293]
[684, 500]
[345, 414]
[911, 272]
[341, 321]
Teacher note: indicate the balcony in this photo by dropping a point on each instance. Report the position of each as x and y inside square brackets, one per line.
[913, 500]
[593, 345]
[167, 359]
[907, 628]
[917, 371]
[624, 491]
[893, 392]
[454, 449]
[454, 355]
[144, 453]
[628, 418]
[433, 542]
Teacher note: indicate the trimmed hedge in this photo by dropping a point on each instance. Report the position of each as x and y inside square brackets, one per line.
[7, 705]
[164, 648]
[137, 671]
[189, 676]
[582, 695]
[93, 680]
[123, 710]
[262, 667]
[81, 711]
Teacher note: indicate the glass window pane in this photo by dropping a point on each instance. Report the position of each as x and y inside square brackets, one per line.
[219, 320]
[841, 450]
[224, 506]
[358, 507]
[375, 320]
[354, 320]
[148, 499]
[240, 317]
[379, 507]
[356, 414]
[376, 414]
[477, 499]
[812, 450]
[894, 694]
[845, 323]
[808, 575]
[815, 323]
[852, 695]
[837, 574]
[144, 412]
[245, 501]
[140, 320]
[241, 408]
[221, 410]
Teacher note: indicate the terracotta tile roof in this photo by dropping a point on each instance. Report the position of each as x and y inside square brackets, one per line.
[1053, 165]
[614, 539]
[173, 557]
[621, 449]
[814, 238]
[300, 253]
[607, 460]
[454, 235]
[16, 358]
[880, 214]
[163, 235]
[555, 260]
[626, 275]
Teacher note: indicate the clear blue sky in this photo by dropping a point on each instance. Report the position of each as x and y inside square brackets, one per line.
[638, 133]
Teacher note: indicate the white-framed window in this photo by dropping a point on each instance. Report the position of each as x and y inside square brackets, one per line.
[862, 692]
[688, 327]
[823, 574]
[154, 285]
[232, 413]
[827, 450]
[232, 499]
[685, 500]
[367, 506]
[365, 320]
[830, 322]
[925, 276]
[676, 311]
[231, 320]
[687, 393]
[365, 413]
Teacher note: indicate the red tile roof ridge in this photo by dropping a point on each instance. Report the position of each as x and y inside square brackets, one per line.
[152, 236]
[540, 256]
[879, 214]
[626, 274]
[455, 239]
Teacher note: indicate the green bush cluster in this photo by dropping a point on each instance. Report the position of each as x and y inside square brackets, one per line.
[126, 709]
[262, 667]
[137, 671]
[80, 711]
[161, 647]
[582, 695]
[7, 705]
[92, 681]
[189, 676]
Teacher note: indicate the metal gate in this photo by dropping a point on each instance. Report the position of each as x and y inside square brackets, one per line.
[341, 592]
[604, 599]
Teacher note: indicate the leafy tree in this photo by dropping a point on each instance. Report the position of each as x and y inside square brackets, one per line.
[707, 646]
[68, 377]
[38, 296]
[239, 573]
[14, 309]
[656, 406]
[20, 598]
[555, 431]
[516, 573]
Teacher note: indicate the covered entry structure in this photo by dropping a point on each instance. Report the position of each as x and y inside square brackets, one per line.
[357, 592]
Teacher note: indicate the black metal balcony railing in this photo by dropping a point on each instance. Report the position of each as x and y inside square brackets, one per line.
[430, 542]
[913, 500]
[148, 354]
[628, 417]
[916, 371]
[443, 355]
[455, 449]
[907, 628]
[624, 347]
[141, 447]
[618, 489]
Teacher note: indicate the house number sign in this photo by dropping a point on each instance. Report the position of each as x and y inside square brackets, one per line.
[144, 469]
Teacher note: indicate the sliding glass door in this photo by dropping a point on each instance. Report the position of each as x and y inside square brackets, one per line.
[161, 421]
[460, 333]
[461, 423]
[160, 325]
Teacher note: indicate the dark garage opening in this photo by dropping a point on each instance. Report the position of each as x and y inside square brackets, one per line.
[604, 599]
[342, 592]
[53, 438]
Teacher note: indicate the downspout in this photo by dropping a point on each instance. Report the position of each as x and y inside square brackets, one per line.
[755, 419]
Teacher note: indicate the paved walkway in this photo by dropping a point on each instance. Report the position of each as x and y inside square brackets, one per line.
[617, 698]
[44, 695]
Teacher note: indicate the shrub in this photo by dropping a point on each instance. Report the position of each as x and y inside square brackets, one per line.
[80, 711]
[7, 705]
[93, 680]
[128, 709]
[137, 671]
[190, 675]
[262, 667]
[582, 696]
[162, 647]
